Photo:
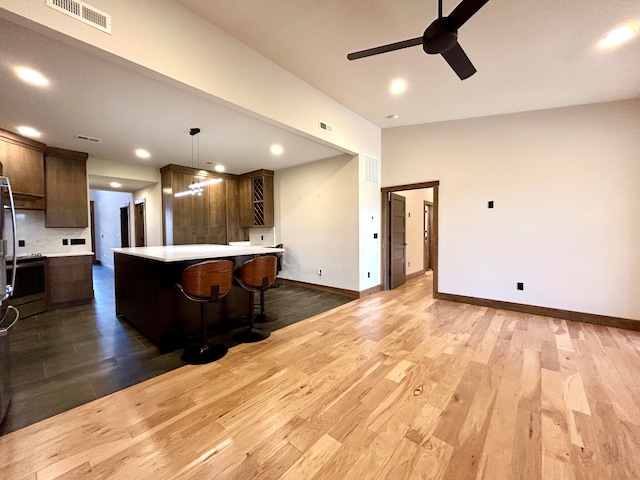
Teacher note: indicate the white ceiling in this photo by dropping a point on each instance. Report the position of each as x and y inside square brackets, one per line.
[529, 56]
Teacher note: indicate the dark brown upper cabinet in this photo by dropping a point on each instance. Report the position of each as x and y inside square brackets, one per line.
[66, 187]
[23, 164]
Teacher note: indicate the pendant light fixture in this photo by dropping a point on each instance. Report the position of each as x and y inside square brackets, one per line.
[196, 187]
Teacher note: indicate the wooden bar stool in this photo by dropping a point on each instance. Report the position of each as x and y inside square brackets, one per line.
[264, 317]
[206, 282]
[255, 275]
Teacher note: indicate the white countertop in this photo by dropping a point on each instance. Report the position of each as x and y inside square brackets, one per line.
[177, 253]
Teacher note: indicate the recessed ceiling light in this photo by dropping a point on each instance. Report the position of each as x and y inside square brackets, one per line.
[395, 116]
[219, 168]
[32, 76]
[115, 185]
[142, 153]
[276, 149]
[398, 86]
[618, 36]
[29, 132]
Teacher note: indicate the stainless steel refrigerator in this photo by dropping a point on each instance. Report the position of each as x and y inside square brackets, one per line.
[8, 314]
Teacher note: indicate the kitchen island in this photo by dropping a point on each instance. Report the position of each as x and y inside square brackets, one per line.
[147, 297]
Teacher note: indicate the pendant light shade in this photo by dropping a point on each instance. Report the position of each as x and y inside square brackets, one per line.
[196, 187]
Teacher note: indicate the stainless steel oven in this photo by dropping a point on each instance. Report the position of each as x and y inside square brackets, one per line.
[30, 290]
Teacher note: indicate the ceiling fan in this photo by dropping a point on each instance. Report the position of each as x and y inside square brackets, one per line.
[439, 37]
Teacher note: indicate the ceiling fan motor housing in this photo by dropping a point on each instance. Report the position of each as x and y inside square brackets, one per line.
[439, 37]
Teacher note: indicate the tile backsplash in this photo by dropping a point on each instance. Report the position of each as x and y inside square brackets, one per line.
[38, 239]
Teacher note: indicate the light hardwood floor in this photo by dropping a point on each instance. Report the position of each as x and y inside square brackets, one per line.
[395, 386]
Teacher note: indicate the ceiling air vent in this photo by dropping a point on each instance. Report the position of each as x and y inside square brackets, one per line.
[327, 127]
[88, 139]
[83, 12]
[371, 167]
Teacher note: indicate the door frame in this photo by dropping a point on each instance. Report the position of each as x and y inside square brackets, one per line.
[386, 212]
[428, 222]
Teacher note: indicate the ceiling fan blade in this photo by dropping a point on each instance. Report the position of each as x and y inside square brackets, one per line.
[458, 60]
[464, 11]
[385, 48]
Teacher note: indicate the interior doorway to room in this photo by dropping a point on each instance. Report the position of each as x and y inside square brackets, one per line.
[397, 240]
[428, 227]
[393, 229]
[124, 226]
[139, 213]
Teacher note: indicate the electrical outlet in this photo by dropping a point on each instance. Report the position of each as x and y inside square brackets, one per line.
[65, 241]
[320, 272]
[21, 243]
[520, 286]
[368, 274]
[490, 204]
[409, 265]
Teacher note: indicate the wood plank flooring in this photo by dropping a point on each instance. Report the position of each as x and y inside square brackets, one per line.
[63, 358]
[395, 386]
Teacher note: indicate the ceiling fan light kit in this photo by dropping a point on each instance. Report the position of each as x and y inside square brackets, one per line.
[440, 37]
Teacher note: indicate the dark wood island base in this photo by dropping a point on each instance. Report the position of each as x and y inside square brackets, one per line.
[147, 297]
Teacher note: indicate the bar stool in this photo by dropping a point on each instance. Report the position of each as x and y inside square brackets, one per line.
[264, 317]
[206, 282]
[255, 275]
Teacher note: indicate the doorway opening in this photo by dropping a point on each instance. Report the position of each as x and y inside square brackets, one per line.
[139, 214]
[124, 226]
[396, 236]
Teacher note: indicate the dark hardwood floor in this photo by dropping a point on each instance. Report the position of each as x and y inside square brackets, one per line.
[67, 357]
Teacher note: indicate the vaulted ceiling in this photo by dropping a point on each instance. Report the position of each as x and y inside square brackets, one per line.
[529, 56]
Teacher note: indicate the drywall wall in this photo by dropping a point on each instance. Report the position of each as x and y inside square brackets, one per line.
[107, 222]
[152, 194]
[315, 211]
[566, 216]
[152, 197]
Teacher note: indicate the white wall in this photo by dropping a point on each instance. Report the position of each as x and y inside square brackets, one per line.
[107, 222]
[151, 194]
[316, 210]
[152, 197]
[566, 220]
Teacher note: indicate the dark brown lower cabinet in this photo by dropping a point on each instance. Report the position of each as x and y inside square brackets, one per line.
[70, 280]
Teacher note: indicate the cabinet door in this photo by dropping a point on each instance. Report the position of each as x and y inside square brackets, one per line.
[67, 191]
[24, 166]
[245, 194]
[70, 280]
[268, 202]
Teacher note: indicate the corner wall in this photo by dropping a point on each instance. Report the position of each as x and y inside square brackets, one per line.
[316, 216]
[566, 216]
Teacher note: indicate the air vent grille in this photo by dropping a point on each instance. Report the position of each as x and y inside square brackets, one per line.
[83, 12]
[371, 168]
[88, 139]
[327, 127]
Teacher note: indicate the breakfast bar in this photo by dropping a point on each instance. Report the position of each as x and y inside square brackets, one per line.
[147, 297]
